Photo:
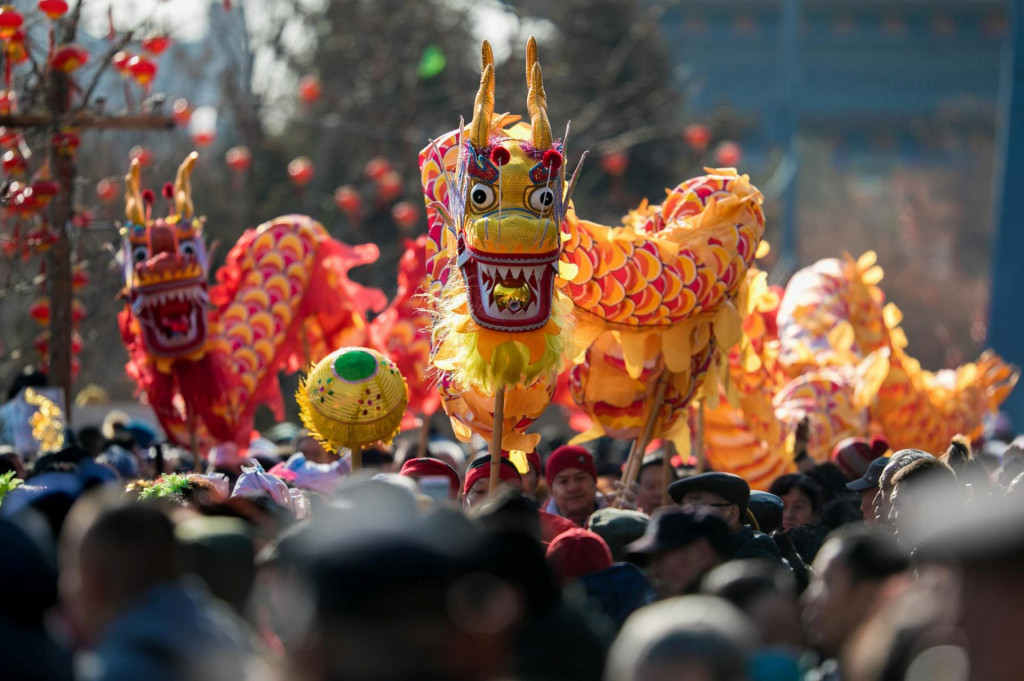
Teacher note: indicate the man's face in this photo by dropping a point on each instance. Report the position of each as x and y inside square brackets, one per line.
[652, 485]
[574, 492]
[833, 604]
[677, 572]
[530, 481]
[867, 505]
[313, 451]
[477, 492]
[701, 501]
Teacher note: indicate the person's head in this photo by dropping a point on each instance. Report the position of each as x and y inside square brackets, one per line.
[572, 477]
[849, 572]
[720, 494]
[923, 493]
[577, 552]
[766, 593]
[618, 527]
[679, 548]
[426, 466]
[10, 460]
[867, 487]
[478, 479]
[693, 638]
[652, 482]
[91, 439]
[30, 377]
[801, 497]
[309, 447]
[110, 562]
[897, 462]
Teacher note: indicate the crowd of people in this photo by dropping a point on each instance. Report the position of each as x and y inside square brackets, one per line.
[125, 558]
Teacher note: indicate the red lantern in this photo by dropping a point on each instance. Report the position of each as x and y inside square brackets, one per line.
[106, 190]
[9, 138]
[67, 142]
[76, 367]
[10, 21]
[77, 311]
[69, 58]
[53, 9]
[181, 111]
[40, 311]
[15, 48]
[238, 158]
[309, 89]
[8, 101]
[203, 138]
[405, 214]
[14, 163]
[76, 343]
[615, 163]
[120, 62]
[42, 343]
[44, 191]
[697, 136]
[300, 170]
[156, 45]
[142, 68]
[141, 154]
[79, 279]
[376, 168]
[728, 154]
[389, 187]
[347, 199]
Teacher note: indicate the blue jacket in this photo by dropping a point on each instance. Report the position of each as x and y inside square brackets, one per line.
[619, 590]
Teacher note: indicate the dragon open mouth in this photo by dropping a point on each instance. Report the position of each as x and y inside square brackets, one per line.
[510, 294]
[173, 320]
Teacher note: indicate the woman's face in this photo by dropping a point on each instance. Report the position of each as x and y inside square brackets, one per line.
[797, 510]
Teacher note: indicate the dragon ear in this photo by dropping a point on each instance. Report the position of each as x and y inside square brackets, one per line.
[133, 208]
[483, 107]
[536, 98]
[183, 187]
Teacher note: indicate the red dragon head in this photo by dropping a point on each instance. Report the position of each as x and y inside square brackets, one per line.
[165, 267]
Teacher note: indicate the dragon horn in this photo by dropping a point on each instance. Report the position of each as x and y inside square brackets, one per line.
[133, 209]
[183, 186]
[483, 107]
[536, 99]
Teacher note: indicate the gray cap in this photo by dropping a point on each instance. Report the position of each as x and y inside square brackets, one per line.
[618, 527]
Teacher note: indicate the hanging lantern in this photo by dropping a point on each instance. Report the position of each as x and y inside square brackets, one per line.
[203, 126]
[10, 21]
[15, 48]
[120, 62]
[14, 163]
[22, 200]
[309, 89]
[76, 343]
[143, 69]
[53, 9]
[42, 343]
[698, 136]
[8, 102]
[238, 158]
[106, 190]
[156, 45]
[347, 199]
[40, 311]
[181, 111]
[376, 168]
[389, 187]
[79, 279]
[77, 311]
[141, 154]
[300, 170]
[405, 215]
[728, 154]
[615, 163]
[44, 191]
[69, 58]
[67, 142]
[9, 138]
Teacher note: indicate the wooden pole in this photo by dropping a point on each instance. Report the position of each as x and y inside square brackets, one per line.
[636, 455]
[666, 469]
[422, 446]
[499, 421]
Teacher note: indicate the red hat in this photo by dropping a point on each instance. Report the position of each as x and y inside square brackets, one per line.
[577, 552]
[852, 456]
[570, 456]
[481, 468]
[425, 466]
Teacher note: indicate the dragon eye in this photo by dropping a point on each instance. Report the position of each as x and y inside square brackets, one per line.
[187, 247]
[481, 196]
[542, 199]
[140, 254]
